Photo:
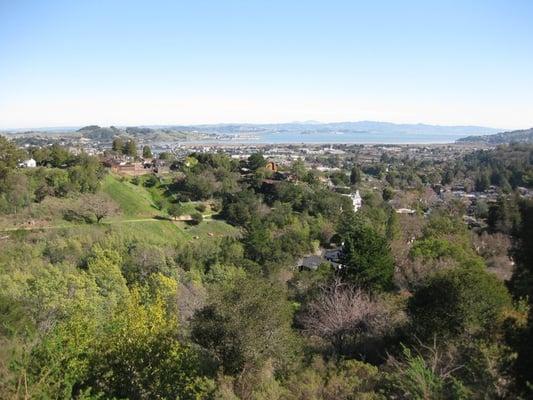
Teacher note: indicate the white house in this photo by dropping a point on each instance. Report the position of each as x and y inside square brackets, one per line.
[31, 163]
[405, 211]
[357, 201]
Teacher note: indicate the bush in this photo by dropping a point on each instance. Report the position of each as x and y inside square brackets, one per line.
[216, 206]
[201, 207]
[73, 216]
[196, 218]
[151, 181]
[175, 210]
[458, 301]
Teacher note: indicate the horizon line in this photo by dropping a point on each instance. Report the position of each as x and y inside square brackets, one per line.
[148, 125]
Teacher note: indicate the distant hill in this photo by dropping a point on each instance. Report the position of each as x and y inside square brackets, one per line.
[290, 132]
[520, 136]
[343, 127]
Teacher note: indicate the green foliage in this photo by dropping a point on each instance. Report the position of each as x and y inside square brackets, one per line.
[482, 209]
[256, 161]
[367, 259]
[298, 169]
[504, 216]
[175, 210]
[246, 322]
[55, 156]
[437, 249]
[147, 152]
[458, 301]
[144, 260]
[14, 192]
[10, 155]
[482, 182]
[415, 379]
[345, 380]
[522, 287]
[151, 181]
[506, 166]
[442, 225]
[142, 330]
[167, 156]
[196, 218]
[522, 280]
[86, 174]
[355, 175]
[118, 144]
[339, 178]
[104, 267]
[70, 175]
[201, 186]
[143, 307]
[130, 148]
[387, 193]
[133, 200]
[241, 208]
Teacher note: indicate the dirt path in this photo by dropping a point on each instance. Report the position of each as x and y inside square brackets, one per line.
[154, 219]
[37, 228]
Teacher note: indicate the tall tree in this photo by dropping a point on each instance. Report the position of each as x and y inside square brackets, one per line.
[256, 161]
[130, 148]
[118, 145]
[355, 175]
[366, 256]
[147, 152]
[10, 155]
[522, 287]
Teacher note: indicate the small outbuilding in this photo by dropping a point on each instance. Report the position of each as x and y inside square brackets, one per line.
[31, 163]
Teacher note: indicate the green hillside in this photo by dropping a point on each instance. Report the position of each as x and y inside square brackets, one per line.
[519, 136]
[133, 200]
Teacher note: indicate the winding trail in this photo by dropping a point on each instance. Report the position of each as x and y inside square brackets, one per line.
[184, 218]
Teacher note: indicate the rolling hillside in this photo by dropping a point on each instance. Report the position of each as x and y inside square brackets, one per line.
[520, 136]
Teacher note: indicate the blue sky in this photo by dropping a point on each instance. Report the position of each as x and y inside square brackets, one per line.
[69, 63]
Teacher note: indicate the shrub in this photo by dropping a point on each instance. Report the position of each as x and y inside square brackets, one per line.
[196, 218]
[458, 301]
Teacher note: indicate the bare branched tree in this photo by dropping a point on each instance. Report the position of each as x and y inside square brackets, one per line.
[99, 205]
[343, 313]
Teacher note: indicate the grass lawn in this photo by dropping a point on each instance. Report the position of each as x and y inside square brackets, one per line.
[133, 200]
[209, 228]
[154, 232]
[140, 201]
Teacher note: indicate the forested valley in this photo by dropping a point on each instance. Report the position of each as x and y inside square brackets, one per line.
[191, 284]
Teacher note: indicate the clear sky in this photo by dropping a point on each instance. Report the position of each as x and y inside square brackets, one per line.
[79, 62]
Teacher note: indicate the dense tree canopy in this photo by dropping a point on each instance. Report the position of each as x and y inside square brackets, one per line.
[271, 286]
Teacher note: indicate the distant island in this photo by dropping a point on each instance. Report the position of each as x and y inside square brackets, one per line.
[519, 136]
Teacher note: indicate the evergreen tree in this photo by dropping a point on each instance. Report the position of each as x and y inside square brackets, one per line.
[147, 152]
[118, 145]
[366, 256]
[355, 175]
[130, 148]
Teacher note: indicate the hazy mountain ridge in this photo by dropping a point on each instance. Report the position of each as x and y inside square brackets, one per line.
[307, 131]
[366, 126]
[344, 127]
[521, 136]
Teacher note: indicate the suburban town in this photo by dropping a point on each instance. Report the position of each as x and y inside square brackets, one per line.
[266, 200]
